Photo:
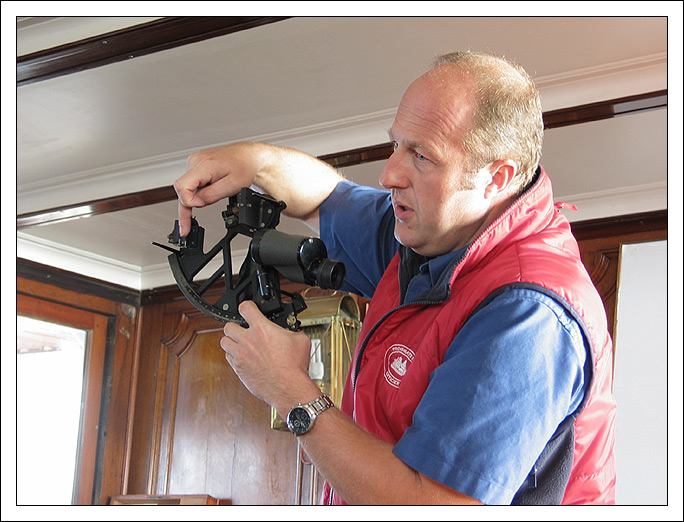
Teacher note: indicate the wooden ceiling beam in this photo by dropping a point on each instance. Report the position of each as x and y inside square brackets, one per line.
[130, 42]
[552, 119]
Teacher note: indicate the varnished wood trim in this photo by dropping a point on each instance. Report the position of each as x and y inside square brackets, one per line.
[54, 293]
[91, 444]
[130, 42]
[552, 119]
[605, 109]
[158, 425]
[76, 282]
[165, 294]
[131, 404]
[620, 225]
[97, 206]
[114, 413]
[142, 446]
[169, 422]
[351, 157]
[600, 242]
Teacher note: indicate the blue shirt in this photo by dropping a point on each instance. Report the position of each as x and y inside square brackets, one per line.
[511, 375]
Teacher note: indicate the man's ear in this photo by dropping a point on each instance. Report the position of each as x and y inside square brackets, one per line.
[502, 173]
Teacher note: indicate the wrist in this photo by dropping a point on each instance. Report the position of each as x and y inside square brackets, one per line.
[304, 391]
[302, 417]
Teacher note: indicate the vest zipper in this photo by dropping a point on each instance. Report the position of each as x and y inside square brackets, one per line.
[362, 347]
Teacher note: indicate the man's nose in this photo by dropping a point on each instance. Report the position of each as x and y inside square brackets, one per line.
[394, 174]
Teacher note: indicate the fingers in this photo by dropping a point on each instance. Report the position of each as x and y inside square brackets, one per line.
[228, 346]
[251, 313]
[197, 188]
[184, 216]
[233, 331]
[230, 342]
[186, 188]
[238, 341]
[213, 174]
[190, 183]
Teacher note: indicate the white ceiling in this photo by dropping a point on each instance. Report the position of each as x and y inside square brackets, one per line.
[323, 85]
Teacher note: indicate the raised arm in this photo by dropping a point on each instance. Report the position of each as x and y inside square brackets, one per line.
[301, 181]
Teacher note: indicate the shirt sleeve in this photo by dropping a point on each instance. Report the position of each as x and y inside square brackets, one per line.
[513, 373]
[357, 227]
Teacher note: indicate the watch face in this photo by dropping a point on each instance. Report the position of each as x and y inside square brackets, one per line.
[298, 421]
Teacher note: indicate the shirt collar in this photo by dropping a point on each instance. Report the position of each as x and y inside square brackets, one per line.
[435, 266]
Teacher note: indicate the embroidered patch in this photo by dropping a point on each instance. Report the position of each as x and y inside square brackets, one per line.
[398, 358]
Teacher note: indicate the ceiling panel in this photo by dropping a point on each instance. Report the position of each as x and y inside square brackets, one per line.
[609, 154]
[287, 75]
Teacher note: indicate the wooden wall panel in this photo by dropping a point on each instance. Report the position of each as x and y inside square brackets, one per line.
[140, 441]
[120, 372]
[206, 419]
[197, 430]
[601, 261]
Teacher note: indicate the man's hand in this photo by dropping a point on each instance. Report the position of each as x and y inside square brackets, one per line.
[214, 174]
[273, 363]
[300, 180]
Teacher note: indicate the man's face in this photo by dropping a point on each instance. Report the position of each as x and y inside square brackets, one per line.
[438, 207]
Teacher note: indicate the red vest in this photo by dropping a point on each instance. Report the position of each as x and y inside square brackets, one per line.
[401, 345]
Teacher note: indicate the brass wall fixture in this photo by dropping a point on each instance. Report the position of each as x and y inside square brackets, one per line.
[333, 323]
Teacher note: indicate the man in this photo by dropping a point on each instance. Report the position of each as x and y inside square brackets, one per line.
[483, 374]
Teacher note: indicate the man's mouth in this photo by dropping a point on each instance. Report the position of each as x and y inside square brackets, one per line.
[402, 212]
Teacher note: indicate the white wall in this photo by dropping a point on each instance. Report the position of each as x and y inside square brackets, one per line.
[641, 375]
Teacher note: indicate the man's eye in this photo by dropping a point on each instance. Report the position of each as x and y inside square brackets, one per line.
[420, 157]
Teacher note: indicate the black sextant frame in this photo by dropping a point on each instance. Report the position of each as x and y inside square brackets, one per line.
[271, 254]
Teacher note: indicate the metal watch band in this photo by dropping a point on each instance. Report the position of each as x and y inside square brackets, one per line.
[321, 404]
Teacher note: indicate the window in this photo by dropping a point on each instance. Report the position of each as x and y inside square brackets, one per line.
[60, 362]
[50, 359]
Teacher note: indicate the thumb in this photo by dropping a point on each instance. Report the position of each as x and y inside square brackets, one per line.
[251, 313]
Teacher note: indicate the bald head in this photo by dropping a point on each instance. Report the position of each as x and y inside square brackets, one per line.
[505, 119]
[442, 102]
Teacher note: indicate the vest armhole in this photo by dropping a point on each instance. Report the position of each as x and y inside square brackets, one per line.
[568, 308]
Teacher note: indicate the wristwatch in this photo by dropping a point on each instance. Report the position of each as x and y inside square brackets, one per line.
[301, 418]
